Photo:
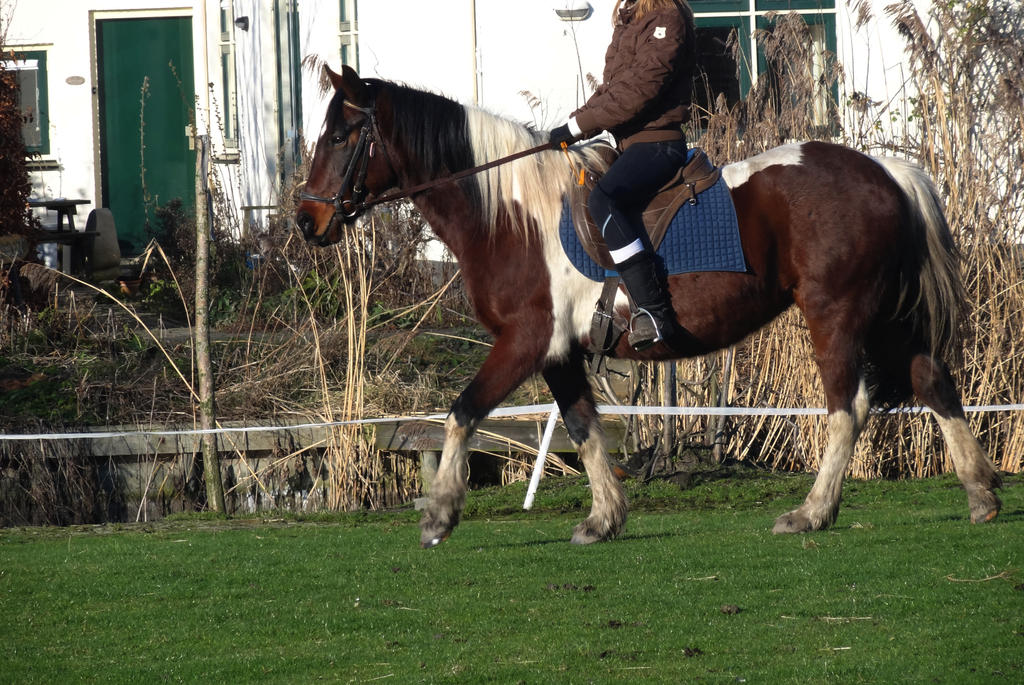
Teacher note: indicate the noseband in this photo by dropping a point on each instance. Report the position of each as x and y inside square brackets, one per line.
[355, 172]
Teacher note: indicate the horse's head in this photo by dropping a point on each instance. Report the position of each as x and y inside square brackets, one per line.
[349, 164]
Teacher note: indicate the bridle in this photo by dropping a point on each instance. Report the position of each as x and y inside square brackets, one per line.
[358, 165]
[355, 172]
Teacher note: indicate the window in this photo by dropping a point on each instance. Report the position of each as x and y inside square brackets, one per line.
[289, 83]
[349, 30]
[731, 39]
[30, 68]
[815, 69]
[229, 99]
[723, 65]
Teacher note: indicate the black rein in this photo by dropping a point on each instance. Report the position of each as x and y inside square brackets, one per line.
[360, 161]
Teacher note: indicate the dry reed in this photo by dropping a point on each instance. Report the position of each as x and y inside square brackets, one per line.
[963, 96]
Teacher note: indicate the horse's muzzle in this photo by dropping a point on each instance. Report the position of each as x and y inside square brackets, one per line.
[307, 224]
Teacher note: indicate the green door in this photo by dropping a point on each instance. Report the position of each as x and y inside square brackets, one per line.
[146, 92]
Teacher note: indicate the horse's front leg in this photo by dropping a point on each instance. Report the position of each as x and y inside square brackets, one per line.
[571, 388]
[448, 491]
[517, 354]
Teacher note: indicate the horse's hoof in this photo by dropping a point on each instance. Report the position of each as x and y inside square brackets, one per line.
[793, 522]
[587, 533]
[584, 538]
[432, 536]
[434, 531]
[434, 541]
[985, 506]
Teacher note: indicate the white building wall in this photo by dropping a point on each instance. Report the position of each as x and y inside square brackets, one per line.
[318, 38]
[873, 58]
[63, 28]
[526, 47]
[519, 47]
[253, 181]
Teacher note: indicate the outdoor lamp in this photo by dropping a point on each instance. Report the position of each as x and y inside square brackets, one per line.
[574, 10]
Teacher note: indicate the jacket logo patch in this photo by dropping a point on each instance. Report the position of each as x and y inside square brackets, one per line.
[659, 32]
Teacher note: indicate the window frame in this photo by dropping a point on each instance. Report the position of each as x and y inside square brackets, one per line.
[801, 6]
[16, 54]
[229, 79]
[749, 16]
[348, 33]
[700, 7]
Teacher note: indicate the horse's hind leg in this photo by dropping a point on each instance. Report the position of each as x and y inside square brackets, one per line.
[934, 386]
[821, 506]
[569, 385]
[848, 406]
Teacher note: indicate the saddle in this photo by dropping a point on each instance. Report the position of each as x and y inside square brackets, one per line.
[698, 175]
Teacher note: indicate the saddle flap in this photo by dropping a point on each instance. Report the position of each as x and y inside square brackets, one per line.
[698, 175]
[587, 231]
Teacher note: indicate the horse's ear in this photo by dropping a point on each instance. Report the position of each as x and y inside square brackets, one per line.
[349, 83]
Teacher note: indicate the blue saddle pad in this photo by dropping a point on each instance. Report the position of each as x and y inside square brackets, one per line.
[701, 237]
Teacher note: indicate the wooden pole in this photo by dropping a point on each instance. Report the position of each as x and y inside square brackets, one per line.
[204, 365]
[668, 399]
[723, 401]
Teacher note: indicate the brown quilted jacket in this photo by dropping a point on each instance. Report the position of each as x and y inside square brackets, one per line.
[648, 74]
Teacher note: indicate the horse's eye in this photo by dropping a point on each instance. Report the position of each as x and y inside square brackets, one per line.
[337, 140]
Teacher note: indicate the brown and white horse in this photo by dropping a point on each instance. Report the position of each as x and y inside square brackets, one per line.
[859, 244]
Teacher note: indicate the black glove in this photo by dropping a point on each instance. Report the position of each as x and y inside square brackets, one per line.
[560, 135]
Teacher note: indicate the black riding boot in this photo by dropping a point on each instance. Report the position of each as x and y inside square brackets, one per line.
[654, 319]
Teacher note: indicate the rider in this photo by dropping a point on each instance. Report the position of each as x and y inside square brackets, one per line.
[643, 102]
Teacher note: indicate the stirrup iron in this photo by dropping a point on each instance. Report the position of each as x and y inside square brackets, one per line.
[647, 334]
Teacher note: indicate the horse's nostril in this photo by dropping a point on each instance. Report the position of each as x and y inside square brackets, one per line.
[306, 224]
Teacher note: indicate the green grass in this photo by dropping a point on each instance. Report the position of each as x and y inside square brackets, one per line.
[903, 588]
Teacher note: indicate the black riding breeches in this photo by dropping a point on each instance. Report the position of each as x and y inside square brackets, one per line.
[617, 201]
